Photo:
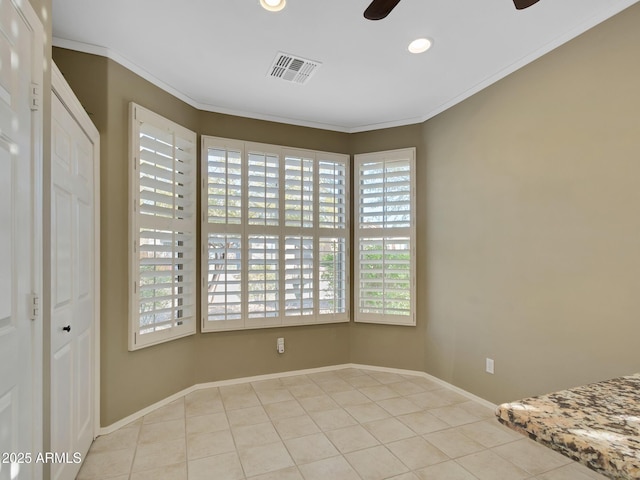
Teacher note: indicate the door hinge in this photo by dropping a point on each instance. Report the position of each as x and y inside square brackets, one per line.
[34, 307]
[36, 95]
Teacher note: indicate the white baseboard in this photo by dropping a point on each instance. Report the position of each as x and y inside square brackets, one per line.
[200, 386]
[437, 380]
[236, 381]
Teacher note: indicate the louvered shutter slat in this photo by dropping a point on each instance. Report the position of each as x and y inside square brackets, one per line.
[155, 171]
[165, 186]
[162, 162]
[154, 143]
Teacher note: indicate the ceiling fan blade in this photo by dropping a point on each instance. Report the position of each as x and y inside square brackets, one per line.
[522, 4]
[380, 9]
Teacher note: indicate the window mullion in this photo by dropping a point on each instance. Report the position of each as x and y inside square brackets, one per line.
[173, 231]
[226, 189]
[244, 294]
[383, 237]
[316, 239]
[281, 236]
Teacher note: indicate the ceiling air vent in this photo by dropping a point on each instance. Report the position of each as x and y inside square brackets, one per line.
[292, 68]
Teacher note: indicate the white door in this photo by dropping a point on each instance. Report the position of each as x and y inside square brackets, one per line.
[20, 243]
[73, 277]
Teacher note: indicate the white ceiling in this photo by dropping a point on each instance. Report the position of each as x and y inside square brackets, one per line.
[215, 54]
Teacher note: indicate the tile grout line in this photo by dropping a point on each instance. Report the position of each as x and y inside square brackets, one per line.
[316, 379]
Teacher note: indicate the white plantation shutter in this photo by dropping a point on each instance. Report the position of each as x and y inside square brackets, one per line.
[385, 237]
[333, 275]
[274, 235]
[299, 276]
[332, 201]
[263, 189]
[263, 289]
[224, 181]
[385, 194]
[333, 241]
[224, 277]
[298, 199]
[385, 276]
[164, 284]
[223, 241]
[162, 228]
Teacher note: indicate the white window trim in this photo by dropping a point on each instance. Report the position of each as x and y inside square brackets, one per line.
[187, 325]
[246, 323]
[359, 232]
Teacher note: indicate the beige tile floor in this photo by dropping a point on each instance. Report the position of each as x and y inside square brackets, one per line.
[338, 425]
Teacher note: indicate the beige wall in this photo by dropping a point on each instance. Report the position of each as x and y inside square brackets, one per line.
[532, 220]
[528, 233]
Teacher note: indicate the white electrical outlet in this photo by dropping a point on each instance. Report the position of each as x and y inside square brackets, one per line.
[280, 345]
[489, 365]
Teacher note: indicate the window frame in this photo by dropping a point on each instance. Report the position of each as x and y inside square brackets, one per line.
[361, 233]
[183, 145]
[282, 231]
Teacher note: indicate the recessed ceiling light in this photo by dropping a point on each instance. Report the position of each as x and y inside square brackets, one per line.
[420, 45]
[273, 5]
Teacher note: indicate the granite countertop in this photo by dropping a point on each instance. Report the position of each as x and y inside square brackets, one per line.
[597, 424]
